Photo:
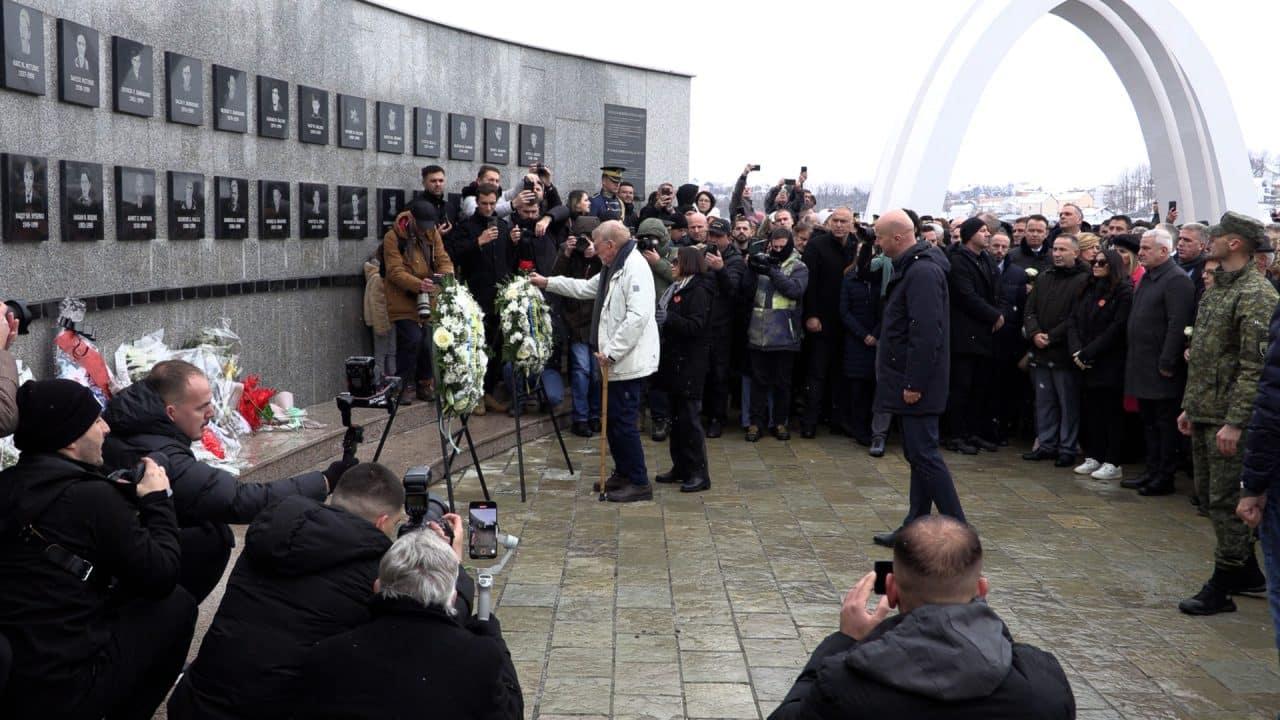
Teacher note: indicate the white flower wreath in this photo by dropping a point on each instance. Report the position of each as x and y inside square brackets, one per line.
[525, 319]
[458, 354]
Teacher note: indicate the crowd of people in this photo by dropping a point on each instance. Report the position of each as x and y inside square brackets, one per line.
[1100, 345]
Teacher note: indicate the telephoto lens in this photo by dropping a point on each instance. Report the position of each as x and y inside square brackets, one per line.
[424, 305]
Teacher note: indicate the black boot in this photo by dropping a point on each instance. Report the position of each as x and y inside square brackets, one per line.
[1157, 486]
[1134, 483]
[668, 477]
[1212, 598]
[714, 428]
[1248, 580]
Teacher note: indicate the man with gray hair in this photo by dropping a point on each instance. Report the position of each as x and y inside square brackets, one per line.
[1192, 246]
[416, 657]
[1163, 308]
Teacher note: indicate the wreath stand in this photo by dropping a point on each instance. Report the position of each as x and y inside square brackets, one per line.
[449, 449]
[537, 392]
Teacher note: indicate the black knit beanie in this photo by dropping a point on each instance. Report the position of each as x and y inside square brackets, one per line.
[52, 414]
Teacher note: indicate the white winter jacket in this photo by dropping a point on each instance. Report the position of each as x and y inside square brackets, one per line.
[628, 332]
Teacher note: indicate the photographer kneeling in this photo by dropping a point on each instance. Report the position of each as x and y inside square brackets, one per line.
[89, 567]
[945, 655]
[414, 659]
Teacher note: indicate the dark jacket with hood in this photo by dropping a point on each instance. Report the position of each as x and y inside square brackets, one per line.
[915, 340]
[1262, 442]
[57, 623]
[942, 662]
[306, 574]
[686, 337]
[201, 493]
[1049, 307]
[410, 661]
[1096, 330]
[975, 301]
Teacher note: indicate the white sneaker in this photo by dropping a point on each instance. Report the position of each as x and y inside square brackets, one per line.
[1107, 472]
[1088, 466]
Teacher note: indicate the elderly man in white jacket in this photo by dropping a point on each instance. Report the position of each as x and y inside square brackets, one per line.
[625, 336]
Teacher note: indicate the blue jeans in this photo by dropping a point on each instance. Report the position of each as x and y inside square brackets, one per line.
[1270, 532]
[551, 382]
[931, 481]
[413, 351]
[624, 430]
[584, 380]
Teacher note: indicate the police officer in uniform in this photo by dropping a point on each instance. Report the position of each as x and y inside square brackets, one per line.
[605, 204]
[1228, 345]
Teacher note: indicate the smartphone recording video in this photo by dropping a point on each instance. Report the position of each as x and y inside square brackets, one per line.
[482, 520]
[883, 568]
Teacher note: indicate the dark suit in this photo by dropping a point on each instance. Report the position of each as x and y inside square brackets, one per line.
[975, 309]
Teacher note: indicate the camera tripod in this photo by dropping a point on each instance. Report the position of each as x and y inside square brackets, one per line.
[449, 450]
[523, 391]
[388, 396]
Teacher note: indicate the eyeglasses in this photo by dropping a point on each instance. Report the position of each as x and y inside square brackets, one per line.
[1099, 262]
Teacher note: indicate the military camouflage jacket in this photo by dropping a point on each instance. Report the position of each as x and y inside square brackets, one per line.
[1228, 346]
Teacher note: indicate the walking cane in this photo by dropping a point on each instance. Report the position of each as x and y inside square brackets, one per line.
[604, 422]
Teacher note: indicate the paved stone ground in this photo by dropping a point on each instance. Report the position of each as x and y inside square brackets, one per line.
[706, 605]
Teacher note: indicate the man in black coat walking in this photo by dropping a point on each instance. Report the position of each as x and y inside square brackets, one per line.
[912, 362]
[975, 318]
[826, 256]
[165, 413]
[89, 569]
[727, 266]
[945, 656]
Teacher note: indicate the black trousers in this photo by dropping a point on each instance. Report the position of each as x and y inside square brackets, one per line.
[493, 345]
[931, 481]
[206, 549]
[715, 394]
[825, 364]
[771, 373]
[968, 407]
[1102, 424]
[413, 352]
[1160, 426]
[129, 678]
[686, 442]
[862, 393]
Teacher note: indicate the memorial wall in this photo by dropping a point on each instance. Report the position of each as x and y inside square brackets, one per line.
[175, 163]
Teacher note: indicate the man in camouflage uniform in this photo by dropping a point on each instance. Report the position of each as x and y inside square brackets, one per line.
[1227, 350]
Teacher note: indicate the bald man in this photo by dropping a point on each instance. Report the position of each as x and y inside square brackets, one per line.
[827, 255]
[913, 362]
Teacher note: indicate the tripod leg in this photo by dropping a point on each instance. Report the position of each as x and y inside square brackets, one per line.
[386, 430]
[555, 425]
[475, 460]
[520, 396]
[446, 457]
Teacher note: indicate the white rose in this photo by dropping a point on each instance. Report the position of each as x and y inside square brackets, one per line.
[442, 338]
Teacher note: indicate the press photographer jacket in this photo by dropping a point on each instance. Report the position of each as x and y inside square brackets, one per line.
[405, 274]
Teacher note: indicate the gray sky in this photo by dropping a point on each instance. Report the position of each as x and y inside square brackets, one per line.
[813, 89]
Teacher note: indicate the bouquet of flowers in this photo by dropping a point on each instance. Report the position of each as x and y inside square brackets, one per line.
[458, 355]
[526, 326]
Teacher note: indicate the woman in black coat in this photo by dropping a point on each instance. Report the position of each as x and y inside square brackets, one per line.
[684, 313]
[860, 313]
[1096, 340]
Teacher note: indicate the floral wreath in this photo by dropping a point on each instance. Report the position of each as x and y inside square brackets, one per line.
[458, 351]
[525, 319]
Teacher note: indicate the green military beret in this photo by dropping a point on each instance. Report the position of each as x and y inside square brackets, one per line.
[1233, 223]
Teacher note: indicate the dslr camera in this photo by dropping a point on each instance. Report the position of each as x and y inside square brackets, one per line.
[761, 262]
[646, 242]
[420, 506]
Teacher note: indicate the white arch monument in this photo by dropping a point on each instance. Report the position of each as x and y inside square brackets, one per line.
[1196, 150]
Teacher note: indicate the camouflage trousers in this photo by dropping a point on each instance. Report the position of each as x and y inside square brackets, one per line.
[1218, 480]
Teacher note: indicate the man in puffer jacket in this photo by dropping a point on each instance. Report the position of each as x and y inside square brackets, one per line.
[777, 283]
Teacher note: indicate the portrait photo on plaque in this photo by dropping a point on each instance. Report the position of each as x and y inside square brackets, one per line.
[184, 89]
[353, 212]
[533, 144]
[230, 99]
[313, 115]
[273, 107]
[231, 221]
[427, 130]
[391, 202]
[462, 137]
[132, 66]
[390, 127]
[497, 142]
[135, 203]
[82, 216]
[22, 45]
[273, 209]
[186, 206]
[79, 64]
[26, 197]
[352, 122]
[313, 213]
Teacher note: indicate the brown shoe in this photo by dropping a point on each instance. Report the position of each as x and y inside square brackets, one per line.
[427, 390]
[630, 493]
[493, 404]
[614, 483]
[408, 395]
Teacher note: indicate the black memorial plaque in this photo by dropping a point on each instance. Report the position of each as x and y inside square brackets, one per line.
[273, 107]
[352, 121]
[133, 70]
[462, 137]
[22, 47]
[135, 203]
[427, 128]
[624, 141]
[390, 203]
[230, 99]
[497, 142]
[232, 221]
[26, 197]
[79, 64]
[390, 128]
[313, 115]
[353, 212]
[82, 216]
[313, 213]
[533, 144]
[186, 206]
[273, 209]
[184, 88]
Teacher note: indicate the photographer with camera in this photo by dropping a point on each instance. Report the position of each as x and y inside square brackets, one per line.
[654, 244]
[416, 657]
[578, 260]
[90, 567]
[9, 369]
[164, 413]
[414, 255]
[727, 268]
[662, 205]
[777, 284]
